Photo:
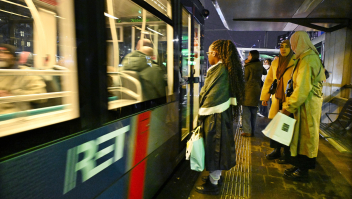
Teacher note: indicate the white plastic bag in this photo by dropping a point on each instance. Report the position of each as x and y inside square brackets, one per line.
[195, 136]
[280, 129]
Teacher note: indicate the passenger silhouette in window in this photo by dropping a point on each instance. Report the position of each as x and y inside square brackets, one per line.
[12, 85]
[151, 75]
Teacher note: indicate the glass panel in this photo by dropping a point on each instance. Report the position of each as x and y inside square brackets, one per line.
[163, 6]
[196, 64]
[185, 88]
[137, 68]
[38, 84]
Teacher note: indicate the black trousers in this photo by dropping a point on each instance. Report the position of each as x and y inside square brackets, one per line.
[302, 162]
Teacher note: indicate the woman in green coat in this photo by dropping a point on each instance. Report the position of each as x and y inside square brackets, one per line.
[222, 90]
[305, 103]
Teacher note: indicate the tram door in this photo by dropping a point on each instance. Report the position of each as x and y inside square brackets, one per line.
[190, 72]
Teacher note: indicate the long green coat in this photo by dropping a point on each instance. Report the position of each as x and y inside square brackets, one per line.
[305, 103]
[215, 115]
[253, 72]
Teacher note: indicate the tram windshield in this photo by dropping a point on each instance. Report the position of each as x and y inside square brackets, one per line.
[140, 53]
[37, 64]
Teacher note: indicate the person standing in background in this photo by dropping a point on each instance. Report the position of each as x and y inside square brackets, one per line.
[253, 71]
[264, 110]
[281, 70]
[305, 104]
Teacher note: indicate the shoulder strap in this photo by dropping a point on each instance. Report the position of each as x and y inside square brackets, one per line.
[294, 69]
[283, 73]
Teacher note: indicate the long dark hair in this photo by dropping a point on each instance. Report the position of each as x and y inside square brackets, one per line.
[229, 55]
[255, 55]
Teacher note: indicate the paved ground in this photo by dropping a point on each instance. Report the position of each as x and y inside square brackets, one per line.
[332, 177]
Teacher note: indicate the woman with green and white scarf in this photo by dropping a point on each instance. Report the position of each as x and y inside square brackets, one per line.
[218, 109]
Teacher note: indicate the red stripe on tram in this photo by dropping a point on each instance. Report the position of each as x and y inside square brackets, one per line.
[136, 186]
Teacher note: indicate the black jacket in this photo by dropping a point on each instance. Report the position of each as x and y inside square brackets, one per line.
[253, 72]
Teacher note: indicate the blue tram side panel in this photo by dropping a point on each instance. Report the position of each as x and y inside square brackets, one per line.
[98, 163]
[81, 167]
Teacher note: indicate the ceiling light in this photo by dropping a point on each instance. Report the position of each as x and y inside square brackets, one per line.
[106, 14]
[47, 11]
[155, 31]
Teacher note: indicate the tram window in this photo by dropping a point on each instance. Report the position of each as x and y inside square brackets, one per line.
[38, 85]
[138, 69]
[164, 6]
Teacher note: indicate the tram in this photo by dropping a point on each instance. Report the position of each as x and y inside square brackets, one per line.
[79, 117]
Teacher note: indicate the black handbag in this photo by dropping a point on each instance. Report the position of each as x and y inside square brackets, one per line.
[289, 86]
[273, 86]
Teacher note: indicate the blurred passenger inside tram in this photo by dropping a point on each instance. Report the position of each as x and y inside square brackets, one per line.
[25, 60]
[253, 71]
[11, 85]
[279, 72]
[151, 75]
[218, 110]
[264, 110]
[305, 104]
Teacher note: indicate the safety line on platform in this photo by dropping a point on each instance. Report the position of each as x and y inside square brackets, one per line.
[237, 180]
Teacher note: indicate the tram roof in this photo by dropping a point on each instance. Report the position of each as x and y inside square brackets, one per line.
[284, 15]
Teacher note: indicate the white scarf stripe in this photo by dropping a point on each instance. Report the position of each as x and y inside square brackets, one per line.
[219, 108]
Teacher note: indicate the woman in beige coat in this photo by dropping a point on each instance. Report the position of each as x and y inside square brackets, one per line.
[281, 69]
[305, 103]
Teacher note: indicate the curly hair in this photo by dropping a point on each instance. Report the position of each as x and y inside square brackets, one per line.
[229, 55]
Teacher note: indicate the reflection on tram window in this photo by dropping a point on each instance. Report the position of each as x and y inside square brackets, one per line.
[138, 55]
[163, 6]
[37, 61]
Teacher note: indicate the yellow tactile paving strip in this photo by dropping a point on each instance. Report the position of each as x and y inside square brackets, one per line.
[237, 179]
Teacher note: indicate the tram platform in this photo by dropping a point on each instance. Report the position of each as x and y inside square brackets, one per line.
[256, 177]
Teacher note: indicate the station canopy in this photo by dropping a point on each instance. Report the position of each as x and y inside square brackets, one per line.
[284, 15]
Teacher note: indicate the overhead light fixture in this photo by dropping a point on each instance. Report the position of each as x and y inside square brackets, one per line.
[106, 14]
[14, 13]
[47, 11]
[155, 31]
[221, 15]
[139, 17]
[59, 17]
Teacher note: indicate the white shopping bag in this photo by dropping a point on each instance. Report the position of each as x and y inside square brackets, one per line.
[280, 129]
[195, 136]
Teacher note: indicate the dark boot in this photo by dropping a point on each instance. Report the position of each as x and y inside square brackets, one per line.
[205, 178]
[298, 175]
[208, 188]
[275, 154]
[282, 159]
[290, 170]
